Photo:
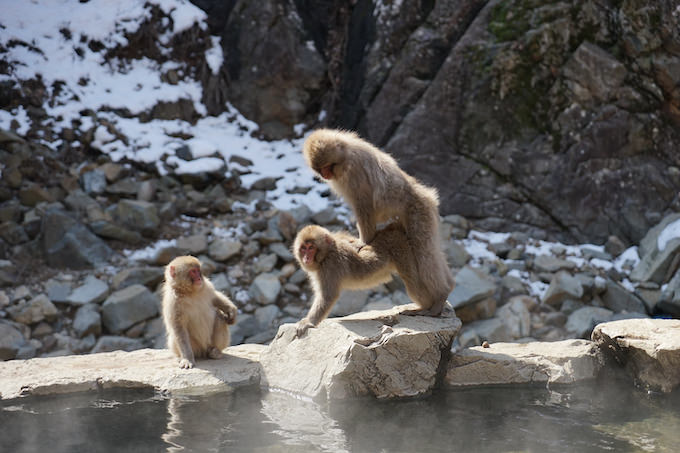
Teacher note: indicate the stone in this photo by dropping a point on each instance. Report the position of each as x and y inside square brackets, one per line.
[326, 216]
[138, 369]
[472, 285]
[127, 307]
[246, 326]
[582, 321]
[456, 254]
[516, 317]
[596, 70]
[492, 330]
[68, 243]
[34, 310]
[147, 190]
[149, 276]
[350, 301]
[563, 286]
[482, 309]
[649, 349]
[11, 341]
[559, 362]
[93, 291]
[194, 244]
[266, 183]
[93, 182]
[13, 233]
[618, 299]
[655, 263]
[138, 215]
[265, 263]
[282, 251]
[549, 263]
[223, 249]
[266, 316]
[379, 353]
[265, 288]
[108, 343]
[614, 246]
[110, 230]
[87, 321]
[57, 291]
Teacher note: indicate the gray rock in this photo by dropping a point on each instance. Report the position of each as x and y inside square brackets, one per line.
[33, 311]
[482, 309]
[127, 307]
[298, 277]
[265, 288]
[20, 293]
[147, 190]
[87, 321]
[456, 254]
[649, 349]
[11, 341]
[93, 291]
[548, 263]
[582, 321]
[282, 251]
[350, 302]
[516, 317]
[110, 230]
[223, 249]
[93, 182]
[57, 291]
[655, 264]
[109, 343]
[262, 337]
[266, 316]
[146, 369]
[138, 215]
[265, 263]
[13, 233]
[149, 276]
[563, 286]
[379, 353]
[267, 183]
[472, 285]
[595, 70]
[246, 326]
[68, 243]
[194, 244]
[326, 216]
[492, 330]
[618, 299]
[560, 362]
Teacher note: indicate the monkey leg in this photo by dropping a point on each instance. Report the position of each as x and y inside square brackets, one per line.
[220, 338]
[302, 326]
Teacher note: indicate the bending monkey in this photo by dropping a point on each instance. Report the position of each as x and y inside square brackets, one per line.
[378, 191]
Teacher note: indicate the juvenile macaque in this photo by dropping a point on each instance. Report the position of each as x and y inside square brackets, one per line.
[379, 191]
[337, 261]
[196, 316]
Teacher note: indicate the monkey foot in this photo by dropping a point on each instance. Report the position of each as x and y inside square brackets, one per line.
[185, 364]
[214, 353]
[301, 327]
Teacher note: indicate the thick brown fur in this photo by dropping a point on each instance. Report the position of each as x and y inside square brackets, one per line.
[342, 261]
[196, 316]
[379, 191]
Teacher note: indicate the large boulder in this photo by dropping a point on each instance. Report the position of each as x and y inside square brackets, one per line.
[649, 349]
[560, 362]
[128, 306]
[378, 353]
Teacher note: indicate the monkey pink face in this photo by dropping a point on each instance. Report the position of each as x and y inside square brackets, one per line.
[195, 276]
[307, 252]
[327, 171]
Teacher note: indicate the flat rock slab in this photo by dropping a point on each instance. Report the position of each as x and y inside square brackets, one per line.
[560, 362]
[379, 353]
[156, 368]
[649, 349]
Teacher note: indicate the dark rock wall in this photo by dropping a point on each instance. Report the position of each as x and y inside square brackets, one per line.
[561, 119]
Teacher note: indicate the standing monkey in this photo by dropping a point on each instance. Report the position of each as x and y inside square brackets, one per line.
[196, 316]
[378, 190]
[335, 261]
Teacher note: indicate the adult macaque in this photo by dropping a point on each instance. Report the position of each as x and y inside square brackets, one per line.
[379, 191]
[196, 316]
[337, 261]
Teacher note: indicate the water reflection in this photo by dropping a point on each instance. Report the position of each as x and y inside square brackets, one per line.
[592, 418]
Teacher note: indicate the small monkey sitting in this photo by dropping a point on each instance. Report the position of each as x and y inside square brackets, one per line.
[337, 261]
[196, 316]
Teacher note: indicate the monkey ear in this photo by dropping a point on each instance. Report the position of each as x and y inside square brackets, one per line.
[328, 239]
[172, 271]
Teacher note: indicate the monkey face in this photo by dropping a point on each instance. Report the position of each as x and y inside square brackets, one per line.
[327, 171]
[307, 252]
[195, 276]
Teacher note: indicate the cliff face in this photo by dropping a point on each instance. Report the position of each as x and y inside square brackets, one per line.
[554, 118]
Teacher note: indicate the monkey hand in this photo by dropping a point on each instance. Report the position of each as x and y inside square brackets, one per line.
[302, 326]
[228, 316]
[186, 363]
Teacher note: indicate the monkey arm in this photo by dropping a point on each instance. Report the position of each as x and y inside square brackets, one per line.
[366, 221]
[324, 298]
[226, 306]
